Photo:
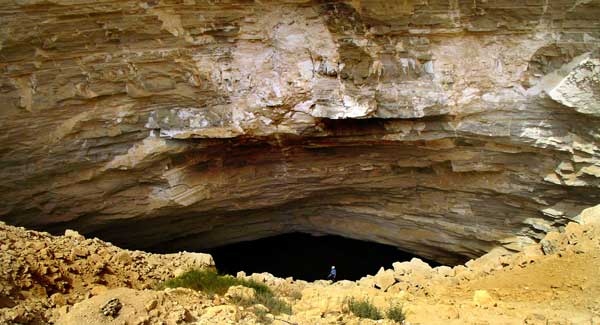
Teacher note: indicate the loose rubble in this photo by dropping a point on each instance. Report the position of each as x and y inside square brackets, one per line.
[45, 272]
[72, 280]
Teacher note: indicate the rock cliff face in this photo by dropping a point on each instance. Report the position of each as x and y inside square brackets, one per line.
[445, 128]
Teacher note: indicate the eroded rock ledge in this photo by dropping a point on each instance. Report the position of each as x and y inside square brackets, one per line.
[445, 128]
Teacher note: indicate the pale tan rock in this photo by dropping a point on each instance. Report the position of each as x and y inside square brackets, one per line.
[98, 290]
[415, 265]
[220, 312]
[73, 234]
[57, 299]
[123, 257]
[240, 292]
[400, 287]
[482, 298]
[445, 271]
[367, 282]
[384, 279]
[151, 305]
[80, 251]
[590, 215]
[551, 243]
[38, 246]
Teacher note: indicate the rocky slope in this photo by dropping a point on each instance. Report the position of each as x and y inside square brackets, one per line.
[40, 273]
[446, 128]
[554, 282]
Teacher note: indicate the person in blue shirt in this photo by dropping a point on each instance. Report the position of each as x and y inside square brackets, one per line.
[332, 274]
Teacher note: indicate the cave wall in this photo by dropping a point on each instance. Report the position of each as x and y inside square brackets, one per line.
[445, 128]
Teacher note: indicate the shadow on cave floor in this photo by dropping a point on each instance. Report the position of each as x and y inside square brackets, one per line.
[307, 257]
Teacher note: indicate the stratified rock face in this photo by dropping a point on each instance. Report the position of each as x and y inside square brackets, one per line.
[445, 128]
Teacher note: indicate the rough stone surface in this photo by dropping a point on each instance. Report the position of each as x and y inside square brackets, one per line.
[590, 215]
[428, 125]
[482, 298]
[111, 308]
[580, 87]
[240, 292]
[384, 279]
[510, 288]
[40, 271]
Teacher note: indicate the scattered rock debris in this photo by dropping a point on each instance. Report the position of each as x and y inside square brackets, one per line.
[73, 280]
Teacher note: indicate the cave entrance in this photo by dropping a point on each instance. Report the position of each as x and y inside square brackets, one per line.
[307, 257]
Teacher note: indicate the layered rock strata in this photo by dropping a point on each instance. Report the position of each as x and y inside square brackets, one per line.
[445, 128]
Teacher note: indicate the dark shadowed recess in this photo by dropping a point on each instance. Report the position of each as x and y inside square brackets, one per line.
[307, 257]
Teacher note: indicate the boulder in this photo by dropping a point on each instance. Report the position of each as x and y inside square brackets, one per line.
[367, 282]
[590, 215]
[550, 244]
[576, 84]
[445, 271]
[415, 265]
[73, 234]
[384, 279]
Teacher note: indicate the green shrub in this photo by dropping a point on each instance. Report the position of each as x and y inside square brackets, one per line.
[363, 309]
[396, 313]
[261, 316]
[211, 282]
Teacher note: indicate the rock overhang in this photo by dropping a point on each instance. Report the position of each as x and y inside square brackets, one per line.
[421, 125]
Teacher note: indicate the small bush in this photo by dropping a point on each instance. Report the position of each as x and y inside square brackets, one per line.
[258, 287]
[261, 316]
[210, 282]
[363, 309]
[396, 313]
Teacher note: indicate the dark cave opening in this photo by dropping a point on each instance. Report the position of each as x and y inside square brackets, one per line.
[307, 257]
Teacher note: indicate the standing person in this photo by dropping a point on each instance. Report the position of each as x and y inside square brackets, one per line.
[332, 274]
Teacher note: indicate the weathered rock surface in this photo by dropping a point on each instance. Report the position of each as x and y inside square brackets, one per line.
[499, 287]
[42, 272]
[446, 128]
